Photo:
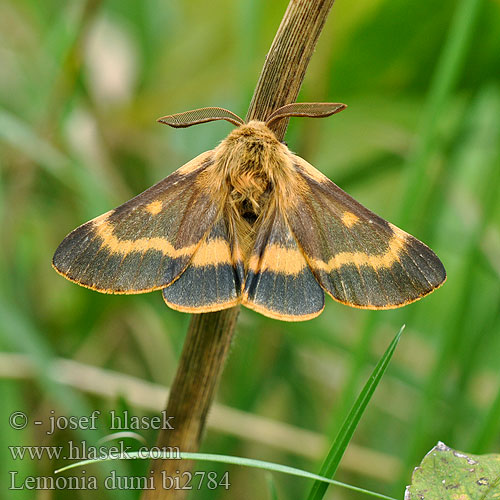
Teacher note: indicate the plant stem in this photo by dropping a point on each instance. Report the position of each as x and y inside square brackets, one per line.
[202, 360]
[287, 60]
[209, 335]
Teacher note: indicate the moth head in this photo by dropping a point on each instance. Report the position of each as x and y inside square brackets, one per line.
[204, 115]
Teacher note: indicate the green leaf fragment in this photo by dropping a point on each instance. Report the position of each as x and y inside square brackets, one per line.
[447, 474]
[332, 460]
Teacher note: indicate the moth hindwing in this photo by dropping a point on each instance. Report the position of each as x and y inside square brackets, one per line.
[250, 223]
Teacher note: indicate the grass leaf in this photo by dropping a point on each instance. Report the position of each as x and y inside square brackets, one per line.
[227, 459]
[273, 492]
[332, 460]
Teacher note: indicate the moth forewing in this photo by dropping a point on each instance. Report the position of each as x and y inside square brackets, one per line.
[359, 258]
[146, 243]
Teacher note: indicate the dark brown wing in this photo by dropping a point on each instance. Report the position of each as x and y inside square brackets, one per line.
[279, 283]
[147, 242]
[212, 281]
[357, 257]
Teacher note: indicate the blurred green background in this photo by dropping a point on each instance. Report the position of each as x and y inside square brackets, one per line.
[81, 84]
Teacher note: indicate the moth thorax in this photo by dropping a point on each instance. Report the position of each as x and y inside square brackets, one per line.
[254, 165]
[248, 182]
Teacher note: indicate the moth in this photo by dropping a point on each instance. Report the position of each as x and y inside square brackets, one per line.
[251, 223]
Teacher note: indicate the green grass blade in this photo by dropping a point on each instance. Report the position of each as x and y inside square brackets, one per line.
[490, 428]
[476, 173]
[448, 70]
[20, 135]
[271, 485]
[20, 334]
[341, 442]
[226, 459]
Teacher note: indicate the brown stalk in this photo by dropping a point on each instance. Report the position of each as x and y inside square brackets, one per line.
[209, 335]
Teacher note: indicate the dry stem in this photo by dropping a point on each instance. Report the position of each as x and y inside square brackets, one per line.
[209, 336]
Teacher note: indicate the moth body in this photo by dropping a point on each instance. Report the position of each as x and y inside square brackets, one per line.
[255, 177]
